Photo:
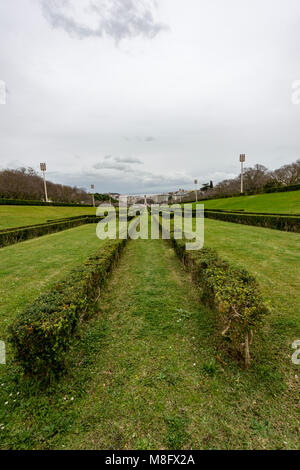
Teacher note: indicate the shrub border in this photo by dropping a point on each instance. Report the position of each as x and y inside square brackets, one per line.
[43, 333]
[231, 291]
[287, 224]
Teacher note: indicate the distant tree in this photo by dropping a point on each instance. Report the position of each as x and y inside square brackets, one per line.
[205, 187]
[27, 184]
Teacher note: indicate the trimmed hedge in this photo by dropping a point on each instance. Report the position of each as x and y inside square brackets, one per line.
[12, 236]
[285, 223]
[243, 211]
[233, 292]
[44, 331]
[20, 234]
[283, 189]
[21, 202]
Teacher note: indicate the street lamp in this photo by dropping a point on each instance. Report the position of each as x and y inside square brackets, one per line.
[93, 197]
[196, 184]
[242, 160]
[43, 167]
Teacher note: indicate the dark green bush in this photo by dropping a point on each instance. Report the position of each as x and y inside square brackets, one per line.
[11, 236]
[43, 332]
[21, 202]
[233, 292]
[285, 223]
[20, 234]
[243, 211]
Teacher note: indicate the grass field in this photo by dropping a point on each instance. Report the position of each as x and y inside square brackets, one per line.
[273, 257]
[18, 216]
[147, 371]
[288, 202]
[27, 269]
[145, 375]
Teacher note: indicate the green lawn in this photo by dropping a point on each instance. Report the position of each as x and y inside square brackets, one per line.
[276, 202]
[273, 257]
[27, 269]
[18, 216]
[147, 374]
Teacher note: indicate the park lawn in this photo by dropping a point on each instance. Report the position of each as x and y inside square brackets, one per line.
[28, 268]
[19, 216]
[273, 257]
[147, 373]
[288, 202]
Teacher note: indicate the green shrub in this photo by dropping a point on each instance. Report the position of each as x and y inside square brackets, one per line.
[285, 223]
[21, 202]
[233, 292]
[43, 332]
[20, 234]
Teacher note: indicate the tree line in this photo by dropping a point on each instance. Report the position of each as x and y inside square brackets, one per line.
[257, 179]
[27, 184]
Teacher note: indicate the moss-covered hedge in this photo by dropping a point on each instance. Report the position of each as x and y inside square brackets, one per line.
[233, 292]
[43, 332]
[285, 223]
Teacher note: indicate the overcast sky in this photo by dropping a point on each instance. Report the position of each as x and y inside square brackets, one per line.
[145, 96]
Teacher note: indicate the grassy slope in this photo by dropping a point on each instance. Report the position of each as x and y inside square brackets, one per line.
[278, 202]
[274, 258]
[17, 216]
[26, 269]
[144, 375]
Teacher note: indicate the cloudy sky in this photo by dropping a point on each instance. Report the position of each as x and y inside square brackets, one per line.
[144, 96]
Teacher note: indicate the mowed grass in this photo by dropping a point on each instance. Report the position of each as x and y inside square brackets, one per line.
[19, 216]
[146, 373]
[27, 269]
[288, 202]
[273, 257]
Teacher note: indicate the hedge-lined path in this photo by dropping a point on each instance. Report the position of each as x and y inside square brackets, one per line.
[145, 374]
[145, 393]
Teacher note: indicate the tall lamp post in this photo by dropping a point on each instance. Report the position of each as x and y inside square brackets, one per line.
[93, 196]
[43, 167]
[196, 191]
[242, 160]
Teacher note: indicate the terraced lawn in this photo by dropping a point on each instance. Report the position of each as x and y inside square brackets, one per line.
[18, 216]
[147, 374]
[288, 202]
[26, 269]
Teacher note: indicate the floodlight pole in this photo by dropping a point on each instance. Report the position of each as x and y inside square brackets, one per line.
[196, 193]
[242, 160]
[43, 167]
[93, 196]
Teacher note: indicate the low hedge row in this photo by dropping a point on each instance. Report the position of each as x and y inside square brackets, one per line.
[20, 234]
[285, 223]
[242, 211]
[12, 236]
[283, 189]
[43, 332]
[233, 292]
[21, 202]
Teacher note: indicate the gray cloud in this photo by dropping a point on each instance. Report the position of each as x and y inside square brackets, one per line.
[118, 19]
[129, 160]
[123, 164]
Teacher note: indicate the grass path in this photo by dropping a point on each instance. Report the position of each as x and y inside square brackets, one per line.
[147, 378]
[145, 374]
